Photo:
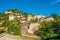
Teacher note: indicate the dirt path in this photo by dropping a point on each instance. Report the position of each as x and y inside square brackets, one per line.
[11, 37]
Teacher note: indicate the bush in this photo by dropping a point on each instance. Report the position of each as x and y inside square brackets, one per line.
[1, 31]
[14, 28]
[48, 31]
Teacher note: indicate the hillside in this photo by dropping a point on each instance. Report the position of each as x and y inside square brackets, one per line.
[17, 22]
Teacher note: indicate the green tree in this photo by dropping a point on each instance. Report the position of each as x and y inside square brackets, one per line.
[46, 30]
[2, 30]
[34, 20]
[14, 27]
[55, 16]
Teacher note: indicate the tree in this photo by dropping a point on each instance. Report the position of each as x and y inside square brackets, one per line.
[34, 20]
[14, 27]
[46, 30]
[2, 30]
[55, 16]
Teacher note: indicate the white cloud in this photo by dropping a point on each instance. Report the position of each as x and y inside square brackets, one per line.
[55, 2]
[58, 0]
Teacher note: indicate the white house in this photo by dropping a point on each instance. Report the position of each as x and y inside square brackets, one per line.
[11, 17]
[49, 19]
[8, 12]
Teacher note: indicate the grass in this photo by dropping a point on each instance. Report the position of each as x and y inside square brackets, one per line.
[29, 38]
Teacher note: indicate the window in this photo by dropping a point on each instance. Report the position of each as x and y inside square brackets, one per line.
[28, 27]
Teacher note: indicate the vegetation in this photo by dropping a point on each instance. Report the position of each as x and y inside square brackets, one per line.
[29, 38]
[2, 30]
[50, 29]
[14, 27]
[10, 26]
[45, 30]
[34, 20]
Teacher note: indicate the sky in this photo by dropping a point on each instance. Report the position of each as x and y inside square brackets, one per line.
[42, 7]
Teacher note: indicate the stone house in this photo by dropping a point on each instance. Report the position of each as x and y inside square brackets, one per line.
[8, 12]
[38, 17]
[11, 17]
[33, 27]
[18, 15]
[29, 17]
[24, 28]
[22, 20]
[47, 19]
[28, 29]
